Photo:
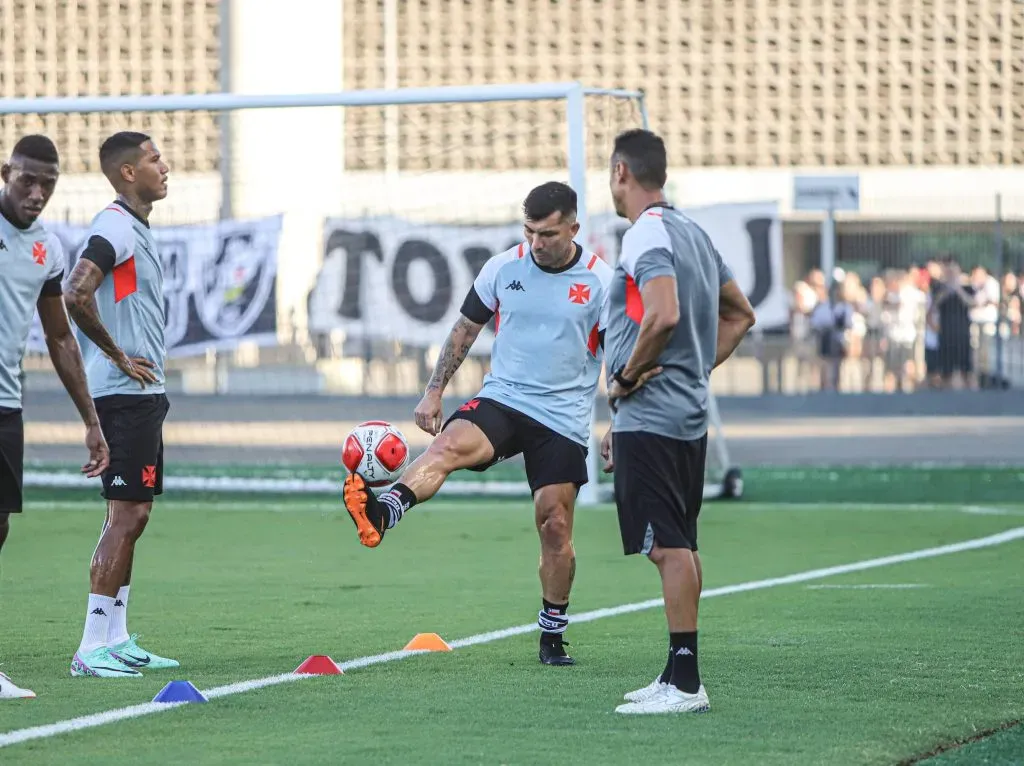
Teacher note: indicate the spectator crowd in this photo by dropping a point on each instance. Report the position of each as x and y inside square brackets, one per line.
[927, 326]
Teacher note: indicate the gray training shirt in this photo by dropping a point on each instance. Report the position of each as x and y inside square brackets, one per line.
[31, 264]
[664, 242]
[130, 300]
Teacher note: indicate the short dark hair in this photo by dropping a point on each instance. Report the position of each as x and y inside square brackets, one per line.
[37, 147]
[549, 198]
[120, 148]
[643, 152]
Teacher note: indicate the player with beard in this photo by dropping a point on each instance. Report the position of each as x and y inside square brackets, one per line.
[115, 295]
[31, 269]
[547, 296]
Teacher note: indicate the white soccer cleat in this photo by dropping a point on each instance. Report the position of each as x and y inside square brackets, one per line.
[652, 689]
[669, 700]
[11, 691]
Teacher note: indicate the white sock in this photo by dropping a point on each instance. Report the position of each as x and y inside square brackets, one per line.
[117, 632]
[97, 621]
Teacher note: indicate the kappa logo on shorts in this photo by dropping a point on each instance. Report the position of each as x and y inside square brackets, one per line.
[118, 482]
[469, 406]
[149, 476]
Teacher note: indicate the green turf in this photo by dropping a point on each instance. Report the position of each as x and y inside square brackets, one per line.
[240, 590]
[1002, 748]
[967, 485]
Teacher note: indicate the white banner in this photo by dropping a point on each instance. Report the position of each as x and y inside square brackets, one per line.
[219, 282]
[394, 279]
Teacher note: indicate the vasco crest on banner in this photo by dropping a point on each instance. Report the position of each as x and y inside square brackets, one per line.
[219, 282]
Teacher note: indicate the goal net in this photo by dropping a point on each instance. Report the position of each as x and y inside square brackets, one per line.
[317, 250]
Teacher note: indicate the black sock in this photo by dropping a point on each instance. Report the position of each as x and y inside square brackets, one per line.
[666, 674]
[553, 620]
[685, 675]
[398, 500]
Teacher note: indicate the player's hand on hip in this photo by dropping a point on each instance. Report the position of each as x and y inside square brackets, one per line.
[137, 368]
[617, 391]
[99, 452]
[606, 452]
[428, 413]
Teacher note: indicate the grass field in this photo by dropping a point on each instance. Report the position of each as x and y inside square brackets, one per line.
[878, 666]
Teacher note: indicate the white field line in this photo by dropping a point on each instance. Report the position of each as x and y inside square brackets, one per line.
[868, 586]
[137, 711]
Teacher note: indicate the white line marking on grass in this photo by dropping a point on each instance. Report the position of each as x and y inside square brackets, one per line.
[137, 711]
[826, 507]
[868, 586]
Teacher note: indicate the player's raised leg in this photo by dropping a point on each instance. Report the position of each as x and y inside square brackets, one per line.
[459, 448]
[462, 444]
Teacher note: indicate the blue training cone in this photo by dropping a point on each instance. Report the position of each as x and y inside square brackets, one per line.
[179, 691]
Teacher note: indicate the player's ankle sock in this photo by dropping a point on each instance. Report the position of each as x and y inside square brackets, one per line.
[97, 622]
[685, 675]
[117, 631]
[666, 674]
[553, 619]
[398, 499]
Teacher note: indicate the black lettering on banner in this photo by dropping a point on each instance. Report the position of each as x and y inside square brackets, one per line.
[436, 305]
[355, 244]
[758, 230]
[475, 258]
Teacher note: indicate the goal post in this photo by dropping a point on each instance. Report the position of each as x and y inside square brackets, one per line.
[397, 231]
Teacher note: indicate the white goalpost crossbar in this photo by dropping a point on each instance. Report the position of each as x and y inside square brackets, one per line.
[574, 95]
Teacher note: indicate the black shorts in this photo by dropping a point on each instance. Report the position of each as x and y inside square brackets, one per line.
[659, 488]
[550, 457]
[133, 425]
[12, 459]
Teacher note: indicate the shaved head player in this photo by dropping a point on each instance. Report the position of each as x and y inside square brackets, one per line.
[31, 268]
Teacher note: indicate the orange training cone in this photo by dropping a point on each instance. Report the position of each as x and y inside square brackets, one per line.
[427, 642]
[319, 665]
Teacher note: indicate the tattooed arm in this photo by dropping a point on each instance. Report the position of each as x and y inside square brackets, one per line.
[80, 297]
[456, 347]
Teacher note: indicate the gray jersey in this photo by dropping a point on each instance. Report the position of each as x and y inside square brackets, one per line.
[31, 264]
[664, 242]
[130, 300]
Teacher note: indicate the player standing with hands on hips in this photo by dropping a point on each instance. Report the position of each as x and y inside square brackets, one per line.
[674, 306]
[115, 295]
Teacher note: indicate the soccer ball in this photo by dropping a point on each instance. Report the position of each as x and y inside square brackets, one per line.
[377, 451]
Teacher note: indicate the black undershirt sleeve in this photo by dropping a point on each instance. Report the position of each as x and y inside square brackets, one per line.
[474, 309]
[100, 252]
[52, 287]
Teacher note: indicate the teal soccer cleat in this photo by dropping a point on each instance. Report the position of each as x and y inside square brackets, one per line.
[134, 656]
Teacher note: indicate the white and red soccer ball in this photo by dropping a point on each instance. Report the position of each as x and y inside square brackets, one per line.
[377, 451]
